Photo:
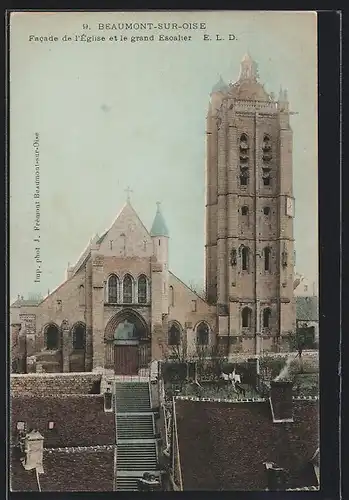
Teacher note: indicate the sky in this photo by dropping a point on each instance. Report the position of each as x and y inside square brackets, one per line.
[116, 114]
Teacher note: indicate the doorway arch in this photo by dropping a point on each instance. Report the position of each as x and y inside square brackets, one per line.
[127, 343]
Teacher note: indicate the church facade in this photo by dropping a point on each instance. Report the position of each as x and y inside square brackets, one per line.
[120, 306]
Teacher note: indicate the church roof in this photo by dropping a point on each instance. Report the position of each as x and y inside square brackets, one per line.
[159, 227]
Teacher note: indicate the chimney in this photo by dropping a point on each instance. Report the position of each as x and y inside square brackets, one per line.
[108, 398]
[276, 477]
[281, 401]
[33, 449]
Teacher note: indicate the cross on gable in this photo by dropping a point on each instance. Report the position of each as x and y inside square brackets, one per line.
[128, 190]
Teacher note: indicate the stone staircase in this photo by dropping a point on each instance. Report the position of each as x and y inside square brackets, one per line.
[136, 444]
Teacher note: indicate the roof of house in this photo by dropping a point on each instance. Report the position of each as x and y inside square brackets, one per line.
[79, 420]
[307, 308]
[223, 446]
[79, 469]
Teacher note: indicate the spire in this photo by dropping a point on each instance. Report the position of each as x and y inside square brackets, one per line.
[159, 227]
[248, 68]
[281, 94]
[220, 86]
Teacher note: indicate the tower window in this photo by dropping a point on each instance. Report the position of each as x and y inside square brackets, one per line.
[159, 242]
[246, 317]
[245, 258]
[266, 210]
[266, 176]
[243, 176]
[266, 317]
[266, 252]
[244, 210]
[81, 295]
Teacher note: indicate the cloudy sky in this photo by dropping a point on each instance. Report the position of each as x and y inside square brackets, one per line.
[113, 114]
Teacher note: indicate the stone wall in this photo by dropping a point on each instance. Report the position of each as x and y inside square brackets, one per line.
[53, 384]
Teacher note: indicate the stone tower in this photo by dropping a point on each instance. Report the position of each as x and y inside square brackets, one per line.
[249, 214]
[160, 276]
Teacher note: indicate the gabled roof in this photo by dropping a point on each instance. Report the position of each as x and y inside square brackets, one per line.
[223, 446]
[307, 308]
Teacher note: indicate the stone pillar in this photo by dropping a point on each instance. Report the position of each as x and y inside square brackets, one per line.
[66, 345]
[97, 310]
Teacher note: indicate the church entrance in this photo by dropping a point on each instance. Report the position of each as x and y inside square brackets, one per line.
[127, 343]
[126, 360]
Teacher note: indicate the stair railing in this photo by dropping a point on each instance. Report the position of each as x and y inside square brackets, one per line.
[116, 439]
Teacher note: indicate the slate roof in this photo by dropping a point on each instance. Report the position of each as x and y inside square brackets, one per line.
[222, 446]
[76, 418]
[307, 308]
[68, 470]
[159, 227]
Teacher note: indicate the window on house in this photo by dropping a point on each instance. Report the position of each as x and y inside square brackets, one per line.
[202, 334]
[171, 295]
[174, 336]
[51, 425]
[113, 289]
[244, 210]
[142, 289]
[79, 335]
[52, 337]
[81, 295]
[246, 317]
[20, 426]
[245, 258]
[266, 252]
[127, 289]
[266, 317]
[266, 210]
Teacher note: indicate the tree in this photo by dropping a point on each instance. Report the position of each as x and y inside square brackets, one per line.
[298, 342]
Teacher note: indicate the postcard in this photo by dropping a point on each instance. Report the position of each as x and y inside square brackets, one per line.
[163, 251]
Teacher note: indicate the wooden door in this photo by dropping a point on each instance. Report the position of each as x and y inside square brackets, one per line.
[126, 359]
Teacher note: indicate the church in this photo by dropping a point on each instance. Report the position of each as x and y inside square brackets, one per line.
[120, 307]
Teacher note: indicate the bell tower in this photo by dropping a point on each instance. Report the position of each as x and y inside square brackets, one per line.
[249, 214]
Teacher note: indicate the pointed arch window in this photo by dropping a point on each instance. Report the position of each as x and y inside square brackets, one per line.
[202, 334]
[245, 257]
[52, 337]
[267, 253]
[174, 336]
[246, 317]
[127, 289]
[79, 336]
[142, 290]
[113, 285]
[266, 317]
[81, 295]
[172, 300]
